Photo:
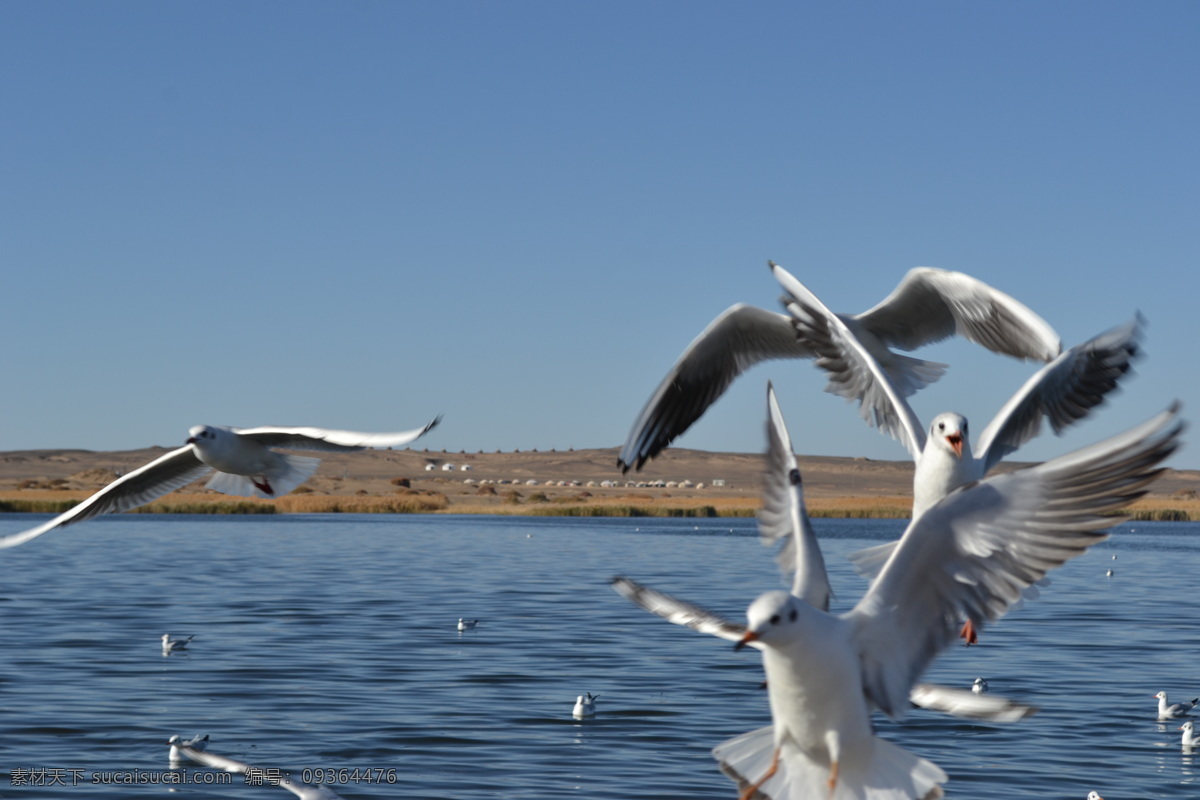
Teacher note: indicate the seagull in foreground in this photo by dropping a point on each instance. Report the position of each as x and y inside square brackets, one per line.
[1062, 392]
[980, 686]
[273, 777]
[197, 742]
[971, 555]
[1094, 796]
[585, 706]
[1189, 738]
[927, 306]
[244, 462]
[169, 644]
[467, 624]
[1174, 710]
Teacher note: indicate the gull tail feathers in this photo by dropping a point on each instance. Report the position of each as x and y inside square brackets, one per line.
[909, 375]
[288, 472]
[890, 773]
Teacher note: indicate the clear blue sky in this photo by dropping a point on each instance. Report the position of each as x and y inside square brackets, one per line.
[360, 215]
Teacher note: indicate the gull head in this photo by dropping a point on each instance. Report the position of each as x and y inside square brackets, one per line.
[1187, 726]
[949, 430]
[1094, 796]
[774, 618]
[1161, 696]
[201, 435]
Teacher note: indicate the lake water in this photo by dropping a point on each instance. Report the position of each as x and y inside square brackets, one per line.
[329, 642]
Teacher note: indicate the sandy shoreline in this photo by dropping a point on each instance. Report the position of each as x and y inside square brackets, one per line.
[693, 482]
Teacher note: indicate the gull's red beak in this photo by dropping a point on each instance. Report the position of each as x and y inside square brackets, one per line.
[745, 640]
[955, 440]
[191, 440]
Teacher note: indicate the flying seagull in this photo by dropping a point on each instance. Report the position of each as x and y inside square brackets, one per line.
[244, 461]
[927, 306]
[970, 555]
[1062, 392]
[272, 777]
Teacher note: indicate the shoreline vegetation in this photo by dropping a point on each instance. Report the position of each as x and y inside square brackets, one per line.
[570, 483]
[434, 502]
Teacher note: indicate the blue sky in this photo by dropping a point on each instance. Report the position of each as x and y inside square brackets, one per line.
[360, 215]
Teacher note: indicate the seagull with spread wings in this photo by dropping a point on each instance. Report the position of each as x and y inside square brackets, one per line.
[927, 306]
[970, 555]
[1062, 392]
[244, 461]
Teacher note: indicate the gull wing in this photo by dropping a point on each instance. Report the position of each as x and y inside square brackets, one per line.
[973, 554]
[164, 474]
[301, 790]
[968, 705]
[739, 338]
[931, 304]
[783, 515]
[679, 612]
[1063, 392]
[331, 441]
[854, 371]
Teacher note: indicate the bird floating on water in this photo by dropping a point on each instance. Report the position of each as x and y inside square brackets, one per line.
[1189, 738]
[467, 624]
[1169, 711]
[169, 645]
[585, 706]
[980, 686]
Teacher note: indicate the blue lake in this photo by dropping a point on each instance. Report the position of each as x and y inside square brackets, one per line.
[328, 642]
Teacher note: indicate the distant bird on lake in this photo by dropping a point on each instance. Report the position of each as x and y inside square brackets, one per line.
[467, 624]
[927, 306]
[245, 464]
[585, 706]
[170, 645]
[1173, 710]
[980, 686]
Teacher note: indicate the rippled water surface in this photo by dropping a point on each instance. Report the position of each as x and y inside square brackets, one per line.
[329, 643]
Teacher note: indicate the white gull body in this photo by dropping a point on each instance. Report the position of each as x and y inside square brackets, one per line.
[970, 555]
[585, 706]
[1189, 739]
[170, 645]
[927, 306]
[1169, 711]
[244, 461]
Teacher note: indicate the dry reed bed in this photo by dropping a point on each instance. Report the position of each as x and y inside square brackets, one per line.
[53, 502]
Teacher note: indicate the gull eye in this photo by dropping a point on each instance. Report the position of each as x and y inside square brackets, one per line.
[775, 620]
[941, 426]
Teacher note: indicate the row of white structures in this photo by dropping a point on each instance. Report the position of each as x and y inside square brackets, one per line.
[601, 485]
